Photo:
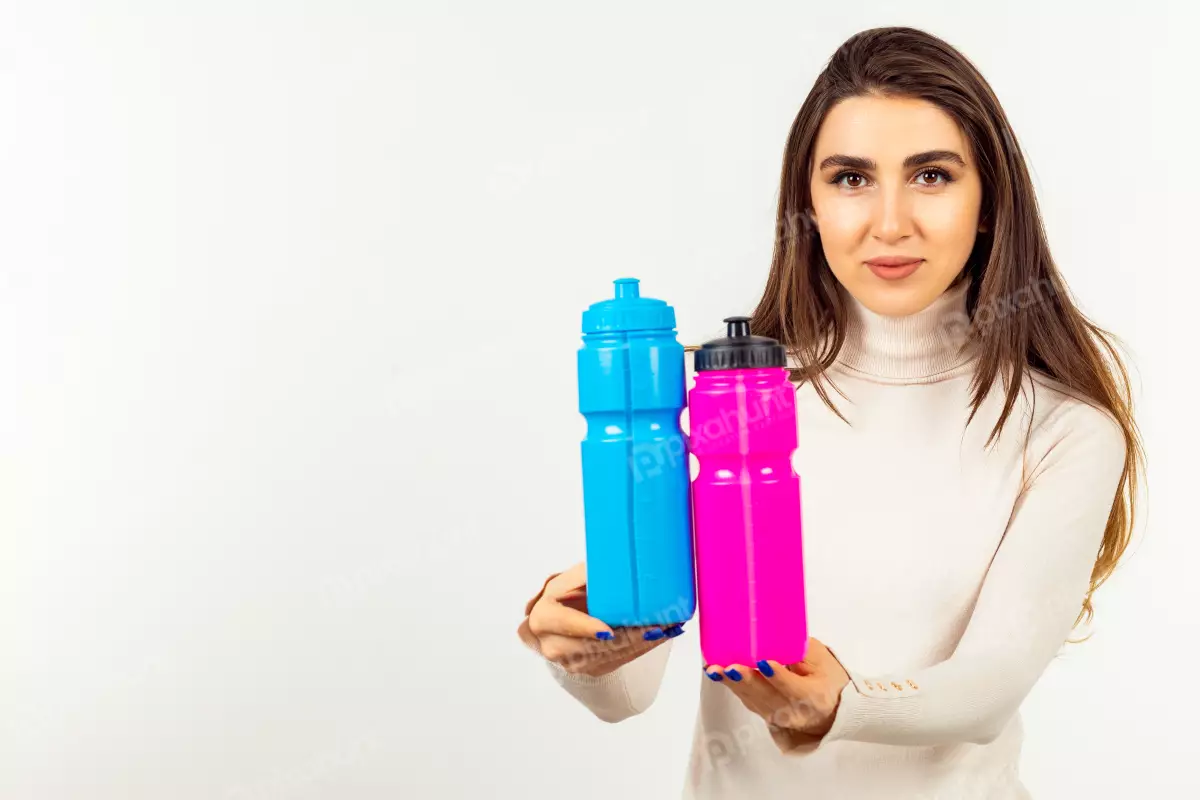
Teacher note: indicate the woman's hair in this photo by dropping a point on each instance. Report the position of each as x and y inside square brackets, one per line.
[1021, 314]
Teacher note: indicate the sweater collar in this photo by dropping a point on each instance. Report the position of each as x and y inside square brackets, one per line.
[917, 348]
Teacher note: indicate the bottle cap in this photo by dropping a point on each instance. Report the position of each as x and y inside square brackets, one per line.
[739, 350]
[627, 310]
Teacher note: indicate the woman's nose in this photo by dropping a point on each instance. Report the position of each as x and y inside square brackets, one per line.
[893, 215]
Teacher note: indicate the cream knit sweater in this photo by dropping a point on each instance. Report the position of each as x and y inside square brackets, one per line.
[944, 575]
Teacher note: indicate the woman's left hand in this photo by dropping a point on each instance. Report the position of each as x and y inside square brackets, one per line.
[797, 701]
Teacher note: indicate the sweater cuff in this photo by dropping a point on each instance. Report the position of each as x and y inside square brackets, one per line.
[561, 674]
[868, 705]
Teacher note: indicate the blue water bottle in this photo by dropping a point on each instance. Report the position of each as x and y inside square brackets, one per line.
[636, 481]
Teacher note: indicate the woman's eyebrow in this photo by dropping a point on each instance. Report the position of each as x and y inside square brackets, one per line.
[915, 160]
[850, 162]
[930, 156]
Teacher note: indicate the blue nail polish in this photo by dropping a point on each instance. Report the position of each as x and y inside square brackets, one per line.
[605, 635]
[716, 676]
[653, 634]
[674, 630]
[733, 674]
[766, 669]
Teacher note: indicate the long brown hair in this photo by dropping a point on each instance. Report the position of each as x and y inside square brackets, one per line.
[802, 308]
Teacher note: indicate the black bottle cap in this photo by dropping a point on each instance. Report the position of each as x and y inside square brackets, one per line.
[739, 350]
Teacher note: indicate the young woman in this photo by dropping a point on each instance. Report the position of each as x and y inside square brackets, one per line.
[966, 492]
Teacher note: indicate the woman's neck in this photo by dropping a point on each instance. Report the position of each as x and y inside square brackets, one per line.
[918, 348]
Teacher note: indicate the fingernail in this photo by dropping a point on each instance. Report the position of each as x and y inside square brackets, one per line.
[733, 674]
[765, 668]
[605, 635]
[674, 630]
[653, 634]
[715, 676]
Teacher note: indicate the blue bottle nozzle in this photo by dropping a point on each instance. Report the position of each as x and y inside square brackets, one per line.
[627, 288]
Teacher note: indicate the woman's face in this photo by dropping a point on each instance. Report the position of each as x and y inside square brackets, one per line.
[894, 178]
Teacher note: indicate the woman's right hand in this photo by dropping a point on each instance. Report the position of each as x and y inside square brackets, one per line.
[557, 626]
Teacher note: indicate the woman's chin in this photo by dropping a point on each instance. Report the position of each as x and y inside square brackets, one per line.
[898, 298]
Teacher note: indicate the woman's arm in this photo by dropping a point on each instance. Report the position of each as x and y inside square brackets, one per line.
[1025, 611]
[622, 693]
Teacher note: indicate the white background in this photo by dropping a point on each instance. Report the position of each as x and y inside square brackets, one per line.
[289, 301]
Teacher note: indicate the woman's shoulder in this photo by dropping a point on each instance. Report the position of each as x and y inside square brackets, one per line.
[1057, 413]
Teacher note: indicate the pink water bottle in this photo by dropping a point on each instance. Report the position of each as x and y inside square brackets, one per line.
[746, 502]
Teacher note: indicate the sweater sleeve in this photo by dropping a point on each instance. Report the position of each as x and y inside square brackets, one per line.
[622, 693]
[1026, 609]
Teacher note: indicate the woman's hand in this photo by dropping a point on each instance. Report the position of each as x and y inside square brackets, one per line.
[557, 626]
[798, 701]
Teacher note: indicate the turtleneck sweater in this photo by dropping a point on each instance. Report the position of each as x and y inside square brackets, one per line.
[943, 572]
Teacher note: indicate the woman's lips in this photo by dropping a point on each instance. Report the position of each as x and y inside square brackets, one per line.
[890, 270]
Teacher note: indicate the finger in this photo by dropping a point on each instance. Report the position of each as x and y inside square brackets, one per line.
[641, 639]
[564, 582]
[817, 655]
[527, 636]
[795, 692]
[576, 599]
[654, 633]
[801, 668]
[755, 692]
[822, 658]
[551, 617]
[577, 655]
[807, 665]
[531, 602]
[785, 679]
[817, 660]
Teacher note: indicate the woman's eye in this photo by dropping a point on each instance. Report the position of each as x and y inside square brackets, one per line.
[935, 173]
[851, 176]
